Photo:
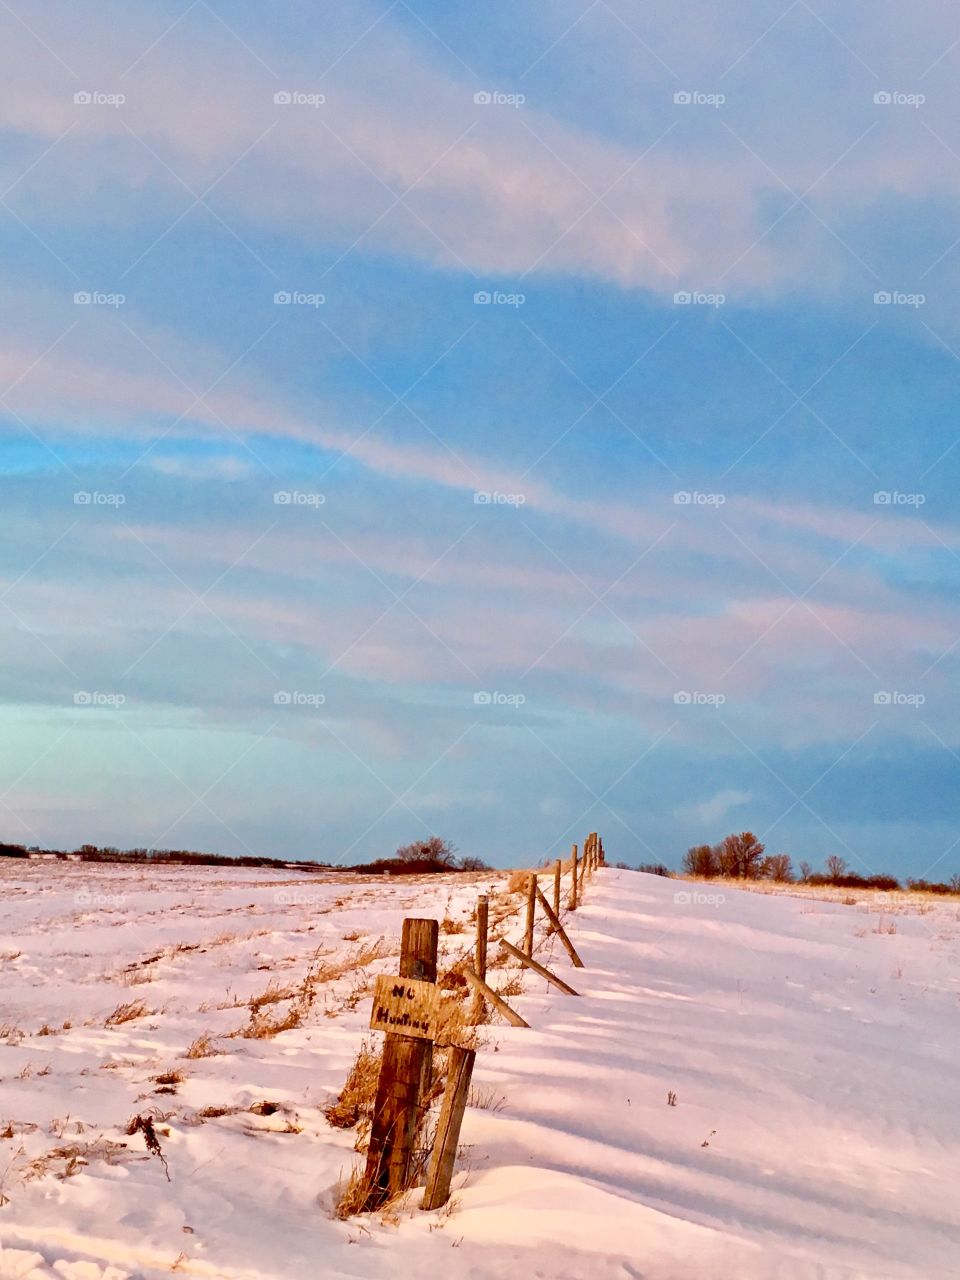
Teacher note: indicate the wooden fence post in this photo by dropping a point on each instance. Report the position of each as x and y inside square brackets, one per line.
[404, 1077]
[531, 913]
[573, 882]
[448, 1127]
[557, 872]
[537, 967]
[497, 1001]
[560, 931]
[483, 916]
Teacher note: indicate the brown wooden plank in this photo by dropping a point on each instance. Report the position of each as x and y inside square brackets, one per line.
[537, 967]
[498, 1002]
[405, 1006]
[448, 1128]
[561, 933]
[531, 913]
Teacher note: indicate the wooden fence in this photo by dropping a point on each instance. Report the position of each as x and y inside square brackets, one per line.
[407, 1009]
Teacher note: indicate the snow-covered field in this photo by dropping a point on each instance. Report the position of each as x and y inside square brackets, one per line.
[813, 1047]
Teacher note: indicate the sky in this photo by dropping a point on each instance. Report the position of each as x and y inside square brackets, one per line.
[496, 422]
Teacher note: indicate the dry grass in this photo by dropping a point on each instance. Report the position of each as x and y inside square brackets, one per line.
[354, 1105]
[483, 1098]
[351, 1195]
[202, 1047]
[518, 881]
[449, 925]
[128, 1012]
[513, 985]
[273, 994]
[74, 1157]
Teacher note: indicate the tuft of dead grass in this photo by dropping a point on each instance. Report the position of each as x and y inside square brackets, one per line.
[202, 1047]
[355, 1100]
[128, 1012]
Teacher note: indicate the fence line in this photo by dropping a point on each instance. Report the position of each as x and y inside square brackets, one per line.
[409, 1007]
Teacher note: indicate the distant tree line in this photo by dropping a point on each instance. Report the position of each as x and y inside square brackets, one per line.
[431, 855]
[744, 857]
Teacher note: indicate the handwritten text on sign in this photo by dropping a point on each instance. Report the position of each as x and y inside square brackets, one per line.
[405, 1006]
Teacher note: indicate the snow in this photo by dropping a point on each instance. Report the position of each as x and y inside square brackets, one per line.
[811, 1040]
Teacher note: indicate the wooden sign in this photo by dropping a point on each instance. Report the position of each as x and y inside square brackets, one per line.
[405, 1006]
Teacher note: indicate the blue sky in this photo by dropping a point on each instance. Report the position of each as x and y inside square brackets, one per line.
[722, 259]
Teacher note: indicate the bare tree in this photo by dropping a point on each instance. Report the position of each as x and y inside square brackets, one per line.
[434, 849]
[777, 866]
[741, 856]
[701, 861]
[836, 866]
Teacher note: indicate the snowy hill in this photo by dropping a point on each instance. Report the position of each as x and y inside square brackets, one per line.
[811, 1043]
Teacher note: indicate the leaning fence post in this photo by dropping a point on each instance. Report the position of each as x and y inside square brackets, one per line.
[531, 912]
[405, 1071]
[573, 882]
[448, 1127]
[557, 872]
